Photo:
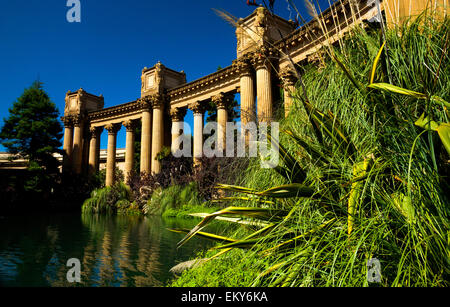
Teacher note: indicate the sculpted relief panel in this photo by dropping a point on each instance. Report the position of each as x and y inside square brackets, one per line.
[150, 81]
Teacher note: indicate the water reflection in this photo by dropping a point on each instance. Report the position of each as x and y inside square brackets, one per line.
[113, 251]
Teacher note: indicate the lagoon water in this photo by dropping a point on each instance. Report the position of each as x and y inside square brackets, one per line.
[113, 250]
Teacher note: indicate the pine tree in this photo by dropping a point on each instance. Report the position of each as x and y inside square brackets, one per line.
[32, 130]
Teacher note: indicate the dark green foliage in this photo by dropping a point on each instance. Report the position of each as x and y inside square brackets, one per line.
[32, 129]
[109, 200]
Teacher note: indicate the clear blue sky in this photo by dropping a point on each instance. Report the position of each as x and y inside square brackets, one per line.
[105, 53]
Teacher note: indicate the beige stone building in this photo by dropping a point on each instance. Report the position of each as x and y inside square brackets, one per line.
[269, 48]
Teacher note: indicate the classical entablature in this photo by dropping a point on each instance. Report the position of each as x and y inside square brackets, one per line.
[267, 51]
[116, 114]
[337, 20]
[224, 80]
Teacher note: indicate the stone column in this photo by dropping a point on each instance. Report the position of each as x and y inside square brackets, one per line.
[130, 125]
[288, 79]
[111, 153]
[158, 132]
[263, 88]
[198, 110]
[94, 148]
[222, 101]
[77, 153]
[146, 136]
[177, 116]
[68, 143]
[247, 90]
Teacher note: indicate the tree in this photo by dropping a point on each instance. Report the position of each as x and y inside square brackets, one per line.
[32, 130]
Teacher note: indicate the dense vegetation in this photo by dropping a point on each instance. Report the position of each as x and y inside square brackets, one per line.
[32, 131]
[364, 174]
[176, 192]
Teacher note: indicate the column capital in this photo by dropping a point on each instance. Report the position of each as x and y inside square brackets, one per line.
[146, 102]
[77, 120]
[113, 128]
[130, 124]
[243, 65]
[197, 107]
[221, 100]
[262, 57]
[95, 131]
[157, 101]
[177, 114]
[259, 61]
[68, 121]
[287, 76]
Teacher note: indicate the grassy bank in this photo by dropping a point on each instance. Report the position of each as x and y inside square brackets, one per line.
[175, 201]
[363, 174]
[178, 201]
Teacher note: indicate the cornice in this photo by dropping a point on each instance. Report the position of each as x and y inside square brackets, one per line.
[312, 30]
[227, 73]
[116, 110]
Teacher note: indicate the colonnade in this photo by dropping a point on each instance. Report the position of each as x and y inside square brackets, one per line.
[81, 136]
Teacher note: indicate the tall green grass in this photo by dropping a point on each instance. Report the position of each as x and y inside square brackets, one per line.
[360, 177]
[177, 201]
[110, 200]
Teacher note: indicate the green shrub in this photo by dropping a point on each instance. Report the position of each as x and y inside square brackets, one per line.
[110, 200]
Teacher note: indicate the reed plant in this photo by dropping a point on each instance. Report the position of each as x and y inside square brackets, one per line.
[363, 174]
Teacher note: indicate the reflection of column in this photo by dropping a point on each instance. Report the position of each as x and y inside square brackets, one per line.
[222, 103]
[106, 269]
[198, 110]
[94, 148]
[177, 116]
[129, 149]
[77, 153]
[68, 143]
[146, 136]
[111, 153]
[288, 78]
[158, 132]
[263, 88]
[247, 90]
